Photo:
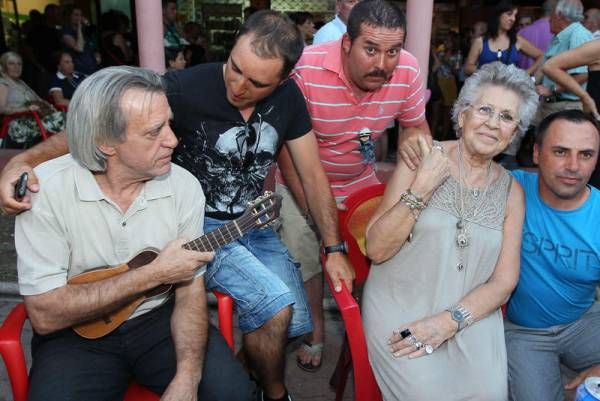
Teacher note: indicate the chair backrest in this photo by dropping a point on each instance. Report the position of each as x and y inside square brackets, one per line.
[360, 207]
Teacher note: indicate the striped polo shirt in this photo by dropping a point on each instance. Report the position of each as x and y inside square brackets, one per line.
[338, 117]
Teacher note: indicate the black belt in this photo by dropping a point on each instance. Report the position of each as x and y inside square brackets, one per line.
[556, 99]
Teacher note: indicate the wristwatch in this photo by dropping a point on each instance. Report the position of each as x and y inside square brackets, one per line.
[341, 247]
[460, 315]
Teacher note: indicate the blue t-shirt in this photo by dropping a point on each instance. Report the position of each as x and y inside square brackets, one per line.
[569, 38]
[560, 260]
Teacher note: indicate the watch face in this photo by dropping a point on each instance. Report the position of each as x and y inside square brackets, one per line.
[457, 315]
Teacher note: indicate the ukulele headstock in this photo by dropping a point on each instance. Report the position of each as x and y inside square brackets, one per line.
[264, 209]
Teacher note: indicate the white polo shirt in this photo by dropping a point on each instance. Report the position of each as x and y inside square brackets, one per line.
[73, 227]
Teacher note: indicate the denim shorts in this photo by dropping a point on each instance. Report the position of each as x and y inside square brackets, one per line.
[259, 273]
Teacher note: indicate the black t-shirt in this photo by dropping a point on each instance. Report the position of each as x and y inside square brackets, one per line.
[230, 157]
[65, 84]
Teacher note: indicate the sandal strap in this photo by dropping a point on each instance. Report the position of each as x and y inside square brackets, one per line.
[312, 349]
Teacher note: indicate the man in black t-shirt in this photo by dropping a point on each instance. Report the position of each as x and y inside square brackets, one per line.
[232, 120]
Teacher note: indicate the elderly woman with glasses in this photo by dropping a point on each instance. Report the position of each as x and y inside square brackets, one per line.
[445, 244]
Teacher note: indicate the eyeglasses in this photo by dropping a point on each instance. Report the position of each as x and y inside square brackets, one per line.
[485, 112]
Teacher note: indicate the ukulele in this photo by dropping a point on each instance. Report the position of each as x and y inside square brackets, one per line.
[259, 213]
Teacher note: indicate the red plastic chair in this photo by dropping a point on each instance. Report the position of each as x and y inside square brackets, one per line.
[360, 207]
[7, 118]
[11, 350]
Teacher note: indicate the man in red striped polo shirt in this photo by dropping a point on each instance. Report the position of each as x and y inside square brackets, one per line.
[355, 88]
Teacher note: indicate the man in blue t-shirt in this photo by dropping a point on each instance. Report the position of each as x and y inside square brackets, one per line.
[552, 316]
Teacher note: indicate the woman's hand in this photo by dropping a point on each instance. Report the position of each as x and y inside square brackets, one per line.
[432, 171]
[33, 107]
[421, 336]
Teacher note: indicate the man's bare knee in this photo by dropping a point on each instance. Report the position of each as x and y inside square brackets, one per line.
[283, 317]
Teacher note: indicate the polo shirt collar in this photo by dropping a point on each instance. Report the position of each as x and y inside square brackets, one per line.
[60, 75]
[89, 190]
[333, 61]
[566, 33]
[339, 23]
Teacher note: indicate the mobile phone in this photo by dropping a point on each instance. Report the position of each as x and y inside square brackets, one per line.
[21, 186]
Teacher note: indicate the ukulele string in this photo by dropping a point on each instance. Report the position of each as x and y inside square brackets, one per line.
[245, 223]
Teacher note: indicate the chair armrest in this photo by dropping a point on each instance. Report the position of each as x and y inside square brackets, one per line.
[225, 310]
[350, 314]
[365, 383]
[9, 117]
[13, 325]
[11, 351]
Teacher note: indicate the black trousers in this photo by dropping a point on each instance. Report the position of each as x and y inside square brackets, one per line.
[69, 367]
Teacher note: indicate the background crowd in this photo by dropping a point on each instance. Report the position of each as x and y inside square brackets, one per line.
[506, 95]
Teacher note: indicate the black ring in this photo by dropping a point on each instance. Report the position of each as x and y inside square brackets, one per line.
[405, 333]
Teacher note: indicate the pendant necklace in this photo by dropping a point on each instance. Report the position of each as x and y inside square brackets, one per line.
[462, 234]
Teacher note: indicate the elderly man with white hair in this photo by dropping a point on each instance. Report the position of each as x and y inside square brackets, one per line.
[569, 33]
[115, 195]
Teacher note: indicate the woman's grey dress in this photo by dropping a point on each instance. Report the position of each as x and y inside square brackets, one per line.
[424, 278]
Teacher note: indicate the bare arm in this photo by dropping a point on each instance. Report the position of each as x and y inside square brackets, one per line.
[546, 91]
[74, 303]
[556, 69]
[292, 180]
[305, 155]
[51, 148]
[481, 301]
[474, 52]
[76, 44]
[4, 108]
[189, 328]
[526, 47]
[393, 221]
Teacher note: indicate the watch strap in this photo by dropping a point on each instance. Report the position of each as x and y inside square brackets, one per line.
[341, 247]
[467, 316]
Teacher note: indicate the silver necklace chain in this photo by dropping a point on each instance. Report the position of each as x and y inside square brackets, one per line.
[462, 234]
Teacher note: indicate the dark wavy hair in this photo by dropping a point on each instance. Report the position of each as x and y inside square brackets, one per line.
[494, 21]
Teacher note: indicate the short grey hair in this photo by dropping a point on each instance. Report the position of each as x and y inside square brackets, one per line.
[571, 10]
[504, 76]
[95, 116]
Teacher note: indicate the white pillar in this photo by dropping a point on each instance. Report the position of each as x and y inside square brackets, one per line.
[148, 14]
[419, 14]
